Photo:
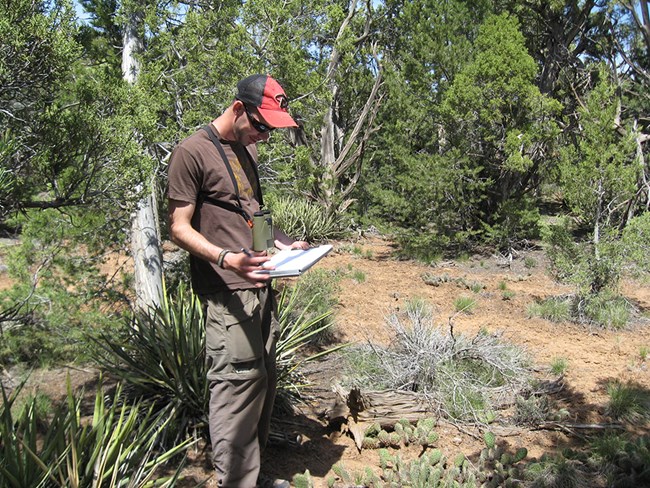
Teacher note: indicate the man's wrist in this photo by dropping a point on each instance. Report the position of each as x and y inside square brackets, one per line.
[222, 256]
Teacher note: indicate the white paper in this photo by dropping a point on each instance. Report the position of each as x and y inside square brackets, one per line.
[294, 262]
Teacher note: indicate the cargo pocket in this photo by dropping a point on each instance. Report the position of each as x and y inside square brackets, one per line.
[243, 328]
[215, 336]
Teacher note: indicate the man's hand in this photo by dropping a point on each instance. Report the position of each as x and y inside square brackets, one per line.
[283, 241]
[293, 245]
[299, 245]
[246, 263]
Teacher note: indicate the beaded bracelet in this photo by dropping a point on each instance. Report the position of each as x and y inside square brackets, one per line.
[221, 257]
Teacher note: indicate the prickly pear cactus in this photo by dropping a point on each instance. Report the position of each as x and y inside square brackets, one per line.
[490, 440]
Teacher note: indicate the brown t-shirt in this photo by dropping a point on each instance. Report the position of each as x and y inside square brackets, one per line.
[196, 169]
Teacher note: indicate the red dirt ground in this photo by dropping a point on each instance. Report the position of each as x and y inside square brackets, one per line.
[595, 357]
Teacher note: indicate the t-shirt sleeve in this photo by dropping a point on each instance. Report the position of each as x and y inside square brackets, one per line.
[184, 176]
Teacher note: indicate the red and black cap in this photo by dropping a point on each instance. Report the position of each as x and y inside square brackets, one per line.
[266, 94]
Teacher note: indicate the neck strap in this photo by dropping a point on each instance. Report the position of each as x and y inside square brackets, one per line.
[219, 146]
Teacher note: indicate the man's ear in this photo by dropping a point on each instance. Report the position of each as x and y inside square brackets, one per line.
[238, 107]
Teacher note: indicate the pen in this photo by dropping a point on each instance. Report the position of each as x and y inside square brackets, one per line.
[247, 252]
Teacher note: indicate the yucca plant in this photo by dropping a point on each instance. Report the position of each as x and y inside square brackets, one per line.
[118, 448]
[162, 359]
[20, 466]
[305, 220]
[297, 328]
[317, 295]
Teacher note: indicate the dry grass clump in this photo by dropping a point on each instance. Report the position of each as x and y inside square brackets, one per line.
[466, 378]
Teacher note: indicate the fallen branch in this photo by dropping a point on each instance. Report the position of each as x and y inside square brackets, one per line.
[510, 431]
[568, 426]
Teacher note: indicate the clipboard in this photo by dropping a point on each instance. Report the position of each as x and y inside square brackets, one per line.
[294, 262]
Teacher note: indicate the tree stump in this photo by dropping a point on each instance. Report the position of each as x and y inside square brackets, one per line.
[360, 410]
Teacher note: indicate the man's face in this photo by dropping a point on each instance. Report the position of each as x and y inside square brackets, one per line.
[250, 127]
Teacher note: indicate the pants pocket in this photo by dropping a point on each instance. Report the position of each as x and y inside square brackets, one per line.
[243, 325]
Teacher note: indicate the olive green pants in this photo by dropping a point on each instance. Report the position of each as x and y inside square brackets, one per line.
[241, 335]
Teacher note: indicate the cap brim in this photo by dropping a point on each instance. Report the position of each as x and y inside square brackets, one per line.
[277, 118]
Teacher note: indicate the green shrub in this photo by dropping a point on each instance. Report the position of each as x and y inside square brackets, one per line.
[356, 250]
[60, 296]
[464, 304]
[358, 276]
[418, 307]
[363, 367]
[514, 221]
[643, 352]
[591, 268]
[603, 309]
[6, 178]
[596, 269]
[463, 257]
[628, 402]
[304, 220]
[530, 262]
[607, 310]
[553, 309]
[56, 330]
[636, 242]
[507, 294]
[559, 365]
[39, 402]
[476, 287]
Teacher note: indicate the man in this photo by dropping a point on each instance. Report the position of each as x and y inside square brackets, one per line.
[213, 192]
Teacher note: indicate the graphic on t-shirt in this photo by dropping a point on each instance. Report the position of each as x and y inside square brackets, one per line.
[245, 188]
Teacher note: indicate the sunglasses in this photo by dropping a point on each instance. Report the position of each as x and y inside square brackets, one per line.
[257, 125]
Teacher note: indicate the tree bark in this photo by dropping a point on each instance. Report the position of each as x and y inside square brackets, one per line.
[145, 229]
[147, 255]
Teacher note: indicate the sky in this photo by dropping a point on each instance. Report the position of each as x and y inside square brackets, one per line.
[81, 13]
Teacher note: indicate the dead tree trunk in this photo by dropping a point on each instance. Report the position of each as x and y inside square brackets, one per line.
[341, 151]
[145, 229]
[386, 407]
[359, 410]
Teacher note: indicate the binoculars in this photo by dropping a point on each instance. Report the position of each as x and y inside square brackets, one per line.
[262, 231]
